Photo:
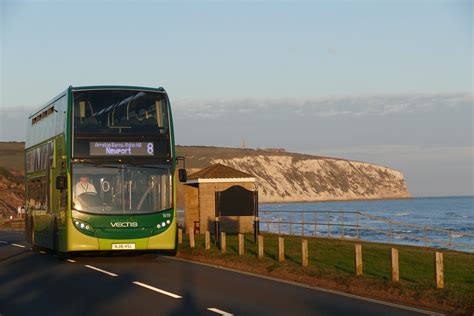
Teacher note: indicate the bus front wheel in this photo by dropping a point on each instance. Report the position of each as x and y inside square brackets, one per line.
[32, 237]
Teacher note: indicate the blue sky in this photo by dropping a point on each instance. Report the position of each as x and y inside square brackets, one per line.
[344, 78]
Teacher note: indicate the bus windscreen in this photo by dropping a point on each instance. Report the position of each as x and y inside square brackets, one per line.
[120, 112]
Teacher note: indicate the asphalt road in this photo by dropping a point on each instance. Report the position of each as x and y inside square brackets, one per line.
[33, 283]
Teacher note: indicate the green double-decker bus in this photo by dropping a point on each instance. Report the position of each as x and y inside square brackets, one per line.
[100, 166]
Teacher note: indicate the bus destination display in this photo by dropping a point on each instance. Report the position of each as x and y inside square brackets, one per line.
[121, 148]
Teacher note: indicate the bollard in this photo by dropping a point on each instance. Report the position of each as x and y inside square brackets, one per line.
[260, 246]
[223, 244]
[208, 240]
[304, 253]
[358, 259]
[241, 244]
[395, 268]
[191, 238]
[281, 249]
[439, 270]
[180, 236]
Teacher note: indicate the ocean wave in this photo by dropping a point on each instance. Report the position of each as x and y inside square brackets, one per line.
[402, 214]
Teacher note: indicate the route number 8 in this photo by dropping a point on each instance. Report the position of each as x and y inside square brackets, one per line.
[149, 148]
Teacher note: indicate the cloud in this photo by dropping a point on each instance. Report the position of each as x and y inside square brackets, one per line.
[370, 105]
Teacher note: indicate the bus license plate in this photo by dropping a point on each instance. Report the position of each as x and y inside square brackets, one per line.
[123, 246]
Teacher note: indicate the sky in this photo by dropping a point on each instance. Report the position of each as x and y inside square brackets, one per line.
[387, 82]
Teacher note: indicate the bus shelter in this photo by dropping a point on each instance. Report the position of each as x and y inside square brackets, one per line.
[200, 207]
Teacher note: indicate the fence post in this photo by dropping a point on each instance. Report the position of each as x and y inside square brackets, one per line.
[191, 238]
[223, 243]
[180, 236]
[216, 231]
[395, 268]
[208, 240]
[390, 231]
[358, 259]
[260, 246]
[304, 253]
[241, 244]
[281, 249]
[439, 270]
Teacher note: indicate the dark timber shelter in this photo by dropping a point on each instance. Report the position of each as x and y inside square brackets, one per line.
[200, 199]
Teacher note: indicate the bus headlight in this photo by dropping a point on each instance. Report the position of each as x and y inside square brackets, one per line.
[84, 227]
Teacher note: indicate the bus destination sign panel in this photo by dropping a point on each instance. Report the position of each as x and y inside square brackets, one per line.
[121, 148]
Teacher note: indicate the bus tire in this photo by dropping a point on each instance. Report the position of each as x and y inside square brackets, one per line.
[55, 237]
[27, 229]
[34, 247]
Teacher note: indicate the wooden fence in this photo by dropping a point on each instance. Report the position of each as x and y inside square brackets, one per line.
[358, 255]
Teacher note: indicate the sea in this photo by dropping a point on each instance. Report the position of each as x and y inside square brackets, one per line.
[443, 222]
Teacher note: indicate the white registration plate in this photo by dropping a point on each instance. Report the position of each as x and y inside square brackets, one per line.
[123, 246]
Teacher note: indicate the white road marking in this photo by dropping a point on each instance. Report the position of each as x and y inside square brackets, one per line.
[156, 289]
[3, 242]
[218, 311]
[41, 251]
[17, 245]
[70, 260]
[100, 270]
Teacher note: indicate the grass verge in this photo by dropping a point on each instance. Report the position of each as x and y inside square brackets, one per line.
[331, 265]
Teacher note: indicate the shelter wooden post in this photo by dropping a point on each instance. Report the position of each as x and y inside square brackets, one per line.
[304, 253]
[223, 243]
[439, 270]
[207, 242]
[260, 246]
[395, 268]
[191, 238]
[281, 249]
[358, 259]
[241, 244]
[180, 236]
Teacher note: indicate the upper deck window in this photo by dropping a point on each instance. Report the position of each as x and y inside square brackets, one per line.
[120, 112]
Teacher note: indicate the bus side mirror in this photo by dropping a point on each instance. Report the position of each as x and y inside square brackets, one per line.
[61, 183]
[182, 175]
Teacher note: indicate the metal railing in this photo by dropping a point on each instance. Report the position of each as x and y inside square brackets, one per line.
[361, 226]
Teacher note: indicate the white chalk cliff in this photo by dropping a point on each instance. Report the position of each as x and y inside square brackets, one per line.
[290, 178]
